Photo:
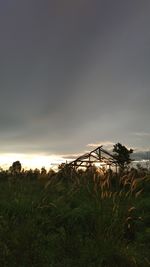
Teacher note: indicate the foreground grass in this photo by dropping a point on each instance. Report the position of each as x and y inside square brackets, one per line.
[84, 222]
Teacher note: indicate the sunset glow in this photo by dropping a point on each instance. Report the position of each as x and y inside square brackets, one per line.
[30, 161]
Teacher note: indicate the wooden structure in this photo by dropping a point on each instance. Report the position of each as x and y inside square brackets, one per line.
[98, 156]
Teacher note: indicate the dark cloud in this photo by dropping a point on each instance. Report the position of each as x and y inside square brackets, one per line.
[73, 73]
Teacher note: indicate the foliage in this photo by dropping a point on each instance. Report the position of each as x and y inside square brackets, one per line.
[122, 154]
[88, 219]
[16, 167]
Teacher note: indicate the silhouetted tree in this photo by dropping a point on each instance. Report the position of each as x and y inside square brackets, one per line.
[16, 167]
[43, 171]
[122, 155]
[51, 173]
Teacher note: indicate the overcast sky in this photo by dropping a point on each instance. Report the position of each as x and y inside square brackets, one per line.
[74, 73]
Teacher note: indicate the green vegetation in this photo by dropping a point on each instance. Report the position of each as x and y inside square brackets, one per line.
[74, 219]
[122, 154]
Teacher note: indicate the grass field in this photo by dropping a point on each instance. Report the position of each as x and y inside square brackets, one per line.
[88, 220]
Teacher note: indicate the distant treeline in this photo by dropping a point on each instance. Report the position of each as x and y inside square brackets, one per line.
[143, 155]
[16, 172]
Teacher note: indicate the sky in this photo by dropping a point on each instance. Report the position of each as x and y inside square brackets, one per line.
[73, 73]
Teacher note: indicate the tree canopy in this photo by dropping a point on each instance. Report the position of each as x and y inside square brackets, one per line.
[16, 167]
[122, 155]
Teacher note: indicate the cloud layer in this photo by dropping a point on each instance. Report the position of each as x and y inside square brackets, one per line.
[73, 74]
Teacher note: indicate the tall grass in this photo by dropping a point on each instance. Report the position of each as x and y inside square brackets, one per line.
[78, 219]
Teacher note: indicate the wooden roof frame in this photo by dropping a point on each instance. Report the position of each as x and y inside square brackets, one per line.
[98, 155]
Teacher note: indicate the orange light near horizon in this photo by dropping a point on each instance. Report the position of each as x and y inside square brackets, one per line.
[30, 161]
